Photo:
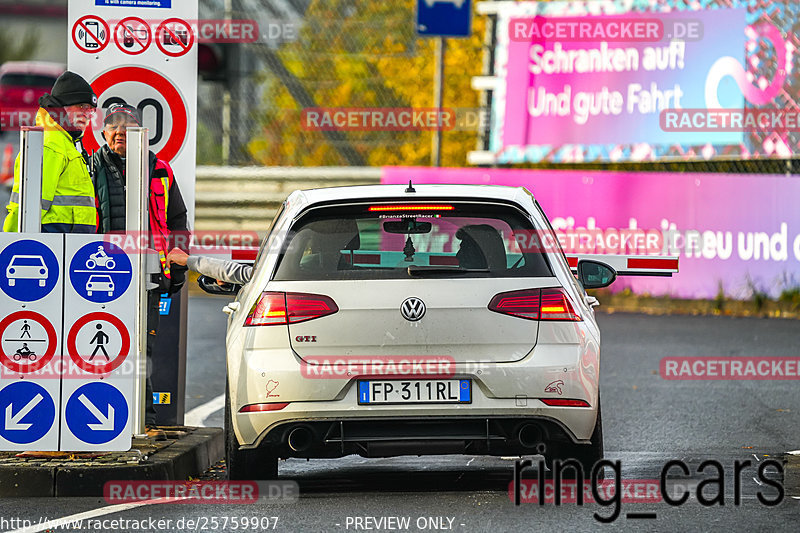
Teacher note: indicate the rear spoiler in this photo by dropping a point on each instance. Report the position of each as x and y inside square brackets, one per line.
[631, 265]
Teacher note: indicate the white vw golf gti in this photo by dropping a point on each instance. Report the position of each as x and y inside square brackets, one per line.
[430, 319]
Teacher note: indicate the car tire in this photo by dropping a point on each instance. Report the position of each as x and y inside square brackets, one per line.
[42, 282]
[11, 282]
[88, 293]
[245, 464]
[586, 454]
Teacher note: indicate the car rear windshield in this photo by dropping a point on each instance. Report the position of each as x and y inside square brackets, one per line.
[26, 80]
[393, 241]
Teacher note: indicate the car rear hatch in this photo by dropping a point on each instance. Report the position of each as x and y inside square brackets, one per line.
[408, 280]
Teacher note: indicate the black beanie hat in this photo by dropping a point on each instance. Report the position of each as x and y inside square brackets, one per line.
[69, 89]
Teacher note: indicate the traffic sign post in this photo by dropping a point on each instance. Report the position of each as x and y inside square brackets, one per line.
[100, 361]
[31, 362]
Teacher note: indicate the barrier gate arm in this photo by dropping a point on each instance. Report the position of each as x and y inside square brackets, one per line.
[631, 265]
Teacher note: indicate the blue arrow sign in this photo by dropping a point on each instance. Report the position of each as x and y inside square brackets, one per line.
[27, 412]
[444, 18]
[96, 413]
[100, 272]
[28, 270]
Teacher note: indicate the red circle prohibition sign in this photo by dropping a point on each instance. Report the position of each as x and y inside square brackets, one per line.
[51, 342]
[164, 31]
[102, 43]
[180, 119]
[131, 34]
[113, 363]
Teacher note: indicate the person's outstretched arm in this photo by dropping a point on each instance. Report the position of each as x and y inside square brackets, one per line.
[219, 269]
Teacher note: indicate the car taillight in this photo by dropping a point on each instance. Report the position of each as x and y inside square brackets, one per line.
[564, 402]
[556, 306]
[277, 308]
[535, 304]
[261, 407]
[522, 304]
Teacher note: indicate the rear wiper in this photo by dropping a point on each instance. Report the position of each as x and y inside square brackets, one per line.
[418, 270]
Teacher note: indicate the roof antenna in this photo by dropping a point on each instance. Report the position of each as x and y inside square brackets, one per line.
[410, 187]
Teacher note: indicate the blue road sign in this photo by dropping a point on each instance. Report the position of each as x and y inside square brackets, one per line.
[100, 271]
[444, 18]
[96, 413]
[28, 412]
[29, 270]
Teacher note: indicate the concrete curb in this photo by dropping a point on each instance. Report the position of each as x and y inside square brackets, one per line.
[188, 456]
[791, 474]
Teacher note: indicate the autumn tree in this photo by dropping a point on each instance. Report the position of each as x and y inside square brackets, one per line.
[362, 53]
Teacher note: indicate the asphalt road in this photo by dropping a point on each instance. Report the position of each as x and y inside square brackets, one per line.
[647, 422]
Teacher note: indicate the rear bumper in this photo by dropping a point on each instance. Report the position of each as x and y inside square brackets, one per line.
[387, 437]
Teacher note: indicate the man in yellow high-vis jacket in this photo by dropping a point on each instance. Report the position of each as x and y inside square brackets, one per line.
[68, 199]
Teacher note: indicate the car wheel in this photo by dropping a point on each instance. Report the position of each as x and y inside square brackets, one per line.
[11, 282]
[245, 464]
[42, 282]
[88, 293]
[111, 293]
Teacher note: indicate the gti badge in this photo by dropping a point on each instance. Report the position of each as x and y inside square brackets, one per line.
[555, 387]
[412, 309]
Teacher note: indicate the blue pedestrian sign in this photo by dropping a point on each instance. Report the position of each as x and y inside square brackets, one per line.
[29, 269]
[28, 412]
[444, 18]
[100, 272]
[96, 413]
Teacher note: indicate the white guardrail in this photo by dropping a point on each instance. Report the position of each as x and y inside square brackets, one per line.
[247, 198]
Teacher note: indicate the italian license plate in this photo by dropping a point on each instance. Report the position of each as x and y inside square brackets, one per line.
[415, 391]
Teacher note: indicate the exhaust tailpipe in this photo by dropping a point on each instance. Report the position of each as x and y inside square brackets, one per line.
[530, 436]
[300, 439]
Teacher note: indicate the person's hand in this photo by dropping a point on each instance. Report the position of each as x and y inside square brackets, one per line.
[177, 256]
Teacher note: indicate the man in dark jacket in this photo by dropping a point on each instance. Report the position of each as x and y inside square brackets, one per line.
[167, 218]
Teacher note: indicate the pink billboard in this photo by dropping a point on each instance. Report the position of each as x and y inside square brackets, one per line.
[734, 231]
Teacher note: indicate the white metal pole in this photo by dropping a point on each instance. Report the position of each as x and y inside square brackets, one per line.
[30, 180]
[137, 181]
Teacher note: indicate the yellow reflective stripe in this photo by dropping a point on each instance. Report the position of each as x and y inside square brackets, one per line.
[73, 201]
[165, 184]
[61, 200]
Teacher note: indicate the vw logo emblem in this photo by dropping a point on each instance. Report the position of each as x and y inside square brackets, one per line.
[412, 309]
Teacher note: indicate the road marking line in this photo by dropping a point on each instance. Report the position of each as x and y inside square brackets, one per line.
[197, 416]
[102, 511]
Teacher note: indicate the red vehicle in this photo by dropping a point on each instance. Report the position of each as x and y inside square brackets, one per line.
[21, 85]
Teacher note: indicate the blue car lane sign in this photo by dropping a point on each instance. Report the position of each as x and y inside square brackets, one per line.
[96, 413]
[28, 412]
[100, 272]
[29, 269]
